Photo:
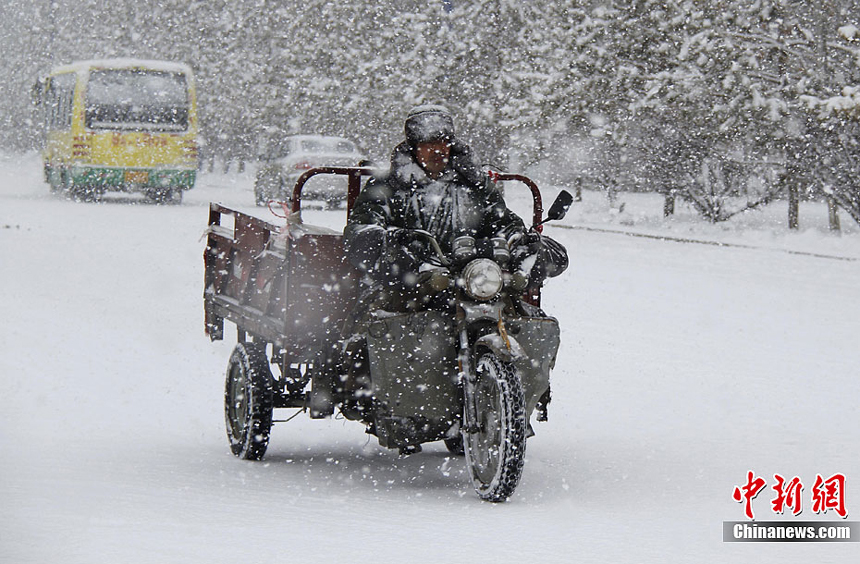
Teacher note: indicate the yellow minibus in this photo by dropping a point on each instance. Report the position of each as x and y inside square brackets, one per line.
[119, 125]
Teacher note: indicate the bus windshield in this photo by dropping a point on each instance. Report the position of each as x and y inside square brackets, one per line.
[133, 99]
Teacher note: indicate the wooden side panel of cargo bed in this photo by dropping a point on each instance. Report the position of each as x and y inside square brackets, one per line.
[321, 291]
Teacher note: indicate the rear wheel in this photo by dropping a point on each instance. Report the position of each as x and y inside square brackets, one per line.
[165, 196]
[72, 190]
[495, 451]
[268, 186]
[248, 401]
[260, 197]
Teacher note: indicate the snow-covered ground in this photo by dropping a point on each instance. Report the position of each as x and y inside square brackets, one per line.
[683, 366]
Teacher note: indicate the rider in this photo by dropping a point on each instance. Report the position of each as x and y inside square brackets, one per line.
[434, 184]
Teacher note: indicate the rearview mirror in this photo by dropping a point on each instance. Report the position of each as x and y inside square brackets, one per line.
[559, 207]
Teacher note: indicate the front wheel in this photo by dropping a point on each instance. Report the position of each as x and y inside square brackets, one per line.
[495, 451]
[248, 401]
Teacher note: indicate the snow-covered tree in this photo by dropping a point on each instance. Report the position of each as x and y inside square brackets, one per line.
[717, 101]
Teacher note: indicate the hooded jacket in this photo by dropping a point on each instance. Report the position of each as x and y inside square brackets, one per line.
[463, 201]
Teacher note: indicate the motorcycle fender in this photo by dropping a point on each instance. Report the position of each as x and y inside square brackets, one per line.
[508, 350]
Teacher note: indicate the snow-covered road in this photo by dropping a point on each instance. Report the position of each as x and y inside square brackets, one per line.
[682, 367]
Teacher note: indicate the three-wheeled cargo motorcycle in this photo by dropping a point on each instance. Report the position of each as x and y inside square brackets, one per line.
[470, 373]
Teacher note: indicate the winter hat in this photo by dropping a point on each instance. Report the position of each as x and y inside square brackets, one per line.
[429, 123]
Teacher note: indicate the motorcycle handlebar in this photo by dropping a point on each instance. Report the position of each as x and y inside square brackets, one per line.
[434, 244]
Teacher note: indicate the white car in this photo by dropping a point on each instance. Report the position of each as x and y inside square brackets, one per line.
[290, 157]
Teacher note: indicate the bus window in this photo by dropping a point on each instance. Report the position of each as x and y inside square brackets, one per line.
[60, 97]
[137, 100]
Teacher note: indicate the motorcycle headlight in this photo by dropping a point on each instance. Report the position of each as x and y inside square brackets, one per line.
[482, 279]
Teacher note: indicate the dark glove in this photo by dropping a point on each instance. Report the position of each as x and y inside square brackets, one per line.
[363, 245]
[527, 246]
[539, 257]
[554, 257]
[398, 237]
[404, 254]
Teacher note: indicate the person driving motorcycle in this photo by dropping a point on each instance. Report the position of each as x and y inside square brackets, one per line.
[434, 185]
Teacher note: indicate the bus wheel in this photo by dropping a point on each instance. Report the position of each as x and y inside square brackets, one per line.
[65, 183]
[80, 193]
[54, 184]
[165, 196]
